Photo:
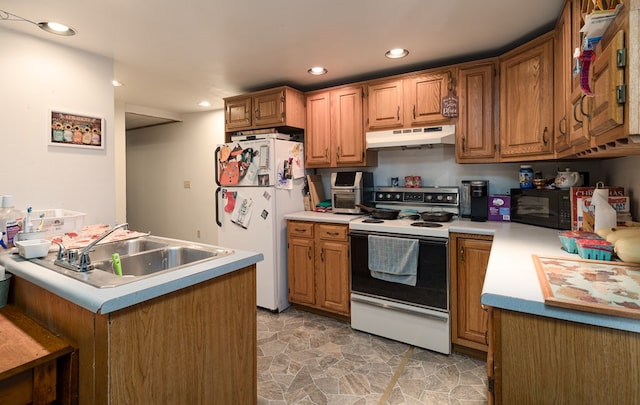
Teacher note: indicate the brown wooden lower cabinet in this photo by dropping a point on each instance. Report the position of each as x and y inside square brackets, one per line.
[318, 266]
[197, 345]
[469, 255]
[539, 360]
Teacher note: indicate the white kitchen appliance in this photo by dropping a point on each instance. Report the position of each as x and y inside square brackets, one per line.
[260, 179]
[411, 308]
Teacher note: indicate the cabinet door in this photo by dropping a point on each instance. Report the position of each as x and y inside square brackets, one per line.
[578, 104]
[562, 79]
[300, 262]
[318, 134]
[385, 104]
[476, 129]
[526, 102]
[268, 108]
[470, 323]
[347, 125]
[608, 80]
[423, 98]
[238, 114]
[333, 276]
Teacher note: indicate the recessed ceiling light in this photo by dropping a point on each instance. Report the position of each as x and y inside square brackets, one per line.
[56, 28]
[116, 83]
[317, 71]
[396, 53]
[204, 104]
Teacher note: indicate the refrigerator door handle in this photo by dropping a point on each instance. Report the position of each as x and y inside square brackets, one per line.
[216, 161]
[217, 207]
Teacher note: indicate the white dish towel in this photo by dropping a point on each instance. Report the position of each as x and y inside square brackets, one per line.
[394, 259]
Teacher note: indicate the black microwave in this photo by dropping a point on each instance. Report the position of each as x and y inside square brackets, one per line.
[541, 207]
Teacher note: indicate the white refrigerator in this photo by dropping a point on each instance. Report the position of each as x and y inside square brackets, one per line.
[259, 182]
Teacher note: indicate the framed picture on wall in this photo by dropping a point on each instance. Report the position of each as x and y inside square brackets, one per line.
[75, 130]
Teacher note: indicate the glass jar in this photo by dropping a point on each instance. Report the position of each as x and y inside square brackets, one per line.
[526, 176]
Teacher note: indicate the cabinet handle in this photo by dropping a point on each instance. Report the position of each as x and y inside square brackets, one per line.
[338, 153]
[544, 135]
[322, 255]
[562, 133]
[414, 111]
[257, 113]
[464, 143]
[582, 107]
[398, 113]
[309, 252]
[301, 230]
[575, 116]
[326, 152]
[333, 233]
[462, 255]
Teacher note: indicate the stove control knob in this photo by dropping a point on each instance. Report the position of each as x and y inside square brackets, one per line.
[388, 196]
[380, 196]
[428, 197]
[449, 198]
[439, 197]
[398, 197]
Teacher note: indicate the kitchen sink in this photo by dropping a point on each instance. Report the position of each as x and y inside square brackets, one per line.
[140, 258]
[153, 261]
[104, 251]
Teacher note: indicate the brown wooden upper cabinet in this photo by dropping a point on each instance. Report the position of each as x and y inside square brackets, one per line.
[385, 100]
[335, 134]
[526, 101]
[278, 107]
[476, 132]
[408, 101]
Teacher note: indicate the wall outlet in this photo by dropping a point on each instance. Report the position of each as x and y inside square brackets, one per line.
[187, 184]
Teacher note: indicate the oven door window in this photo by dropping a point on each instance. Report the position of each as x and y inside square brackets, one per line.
[344, 200]
[431, 289]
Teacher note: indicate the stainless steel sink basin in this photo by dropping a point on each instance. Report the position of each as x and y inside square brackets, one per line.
[153, 261]
[140, 258]
[125, 247]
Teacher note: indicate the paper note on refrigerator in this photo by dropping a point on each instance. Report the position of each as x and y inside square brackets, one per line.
[241, 214]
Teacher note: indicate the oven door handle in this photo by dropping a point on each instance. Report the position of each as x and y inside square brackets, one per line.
[404, 310]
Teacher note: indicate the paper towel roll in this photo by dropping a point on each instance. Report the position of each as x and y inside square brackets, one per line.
[605, 215]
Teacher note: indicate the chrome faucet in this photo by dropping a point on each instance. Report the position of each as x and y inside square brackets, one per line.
[78, 259]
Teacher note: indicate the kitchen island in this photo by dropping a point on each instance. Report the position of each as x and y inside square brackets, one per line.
[185, 336]
[545, 354]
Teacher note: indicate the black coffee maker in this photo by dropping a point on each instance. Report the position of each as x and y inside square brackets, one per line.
[479, 200]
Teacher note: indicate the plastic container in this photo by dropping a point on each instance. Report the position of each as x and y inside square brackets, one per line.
[9, 216]
[594, 249]
[569, 239]
[58, 221]
[526, 176]
[33, 248]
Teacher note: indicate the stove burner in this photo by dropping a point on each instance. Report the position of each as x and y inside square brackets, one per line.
[372, 221]
[424, 224]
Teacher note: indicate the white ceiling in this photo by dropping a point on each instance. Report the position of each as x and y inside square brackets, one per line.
[172, 55]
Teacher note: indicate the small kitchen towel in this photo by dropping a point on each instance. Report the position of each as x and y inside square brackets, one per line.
[394, 259]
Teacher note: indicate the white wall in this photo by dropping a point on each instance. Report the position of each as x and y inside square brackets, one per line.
[438, 167]
[159, 160]
[626, 172]
[35, 76]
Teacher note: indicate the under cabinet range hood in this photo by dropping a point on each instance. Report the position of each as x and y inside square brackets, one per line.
[410, 138]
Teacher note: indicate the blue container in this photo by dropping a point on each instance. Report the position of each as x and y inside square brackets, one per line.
[526, 176]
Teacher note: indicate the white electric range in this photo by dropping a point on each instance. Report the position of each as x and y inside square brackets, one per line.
[408, 302]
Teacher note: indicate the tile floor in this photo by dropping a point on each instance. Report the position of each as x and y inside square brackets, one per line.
[305, 358]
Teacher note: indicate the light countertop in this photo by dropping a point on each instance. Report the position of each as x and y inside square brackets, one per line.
[511, 281]
[105, 300]
[322, 217]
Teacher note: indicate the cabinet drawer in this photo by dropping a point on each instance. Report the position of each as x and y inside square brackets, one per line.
[333, 232]
[300, 229]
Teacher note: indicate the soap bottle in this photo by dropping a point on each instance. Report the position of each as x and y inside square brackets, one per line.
[9, 217]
